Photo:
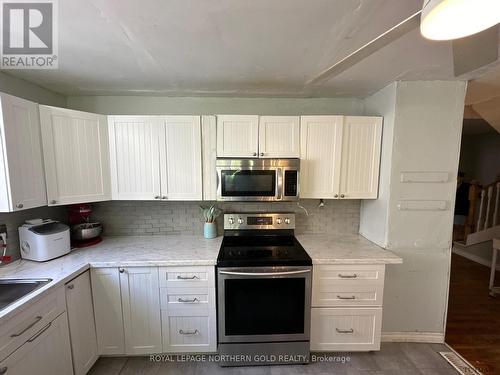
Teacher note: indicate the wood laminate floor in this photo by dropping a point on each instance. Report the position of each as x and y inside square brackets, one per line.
[392, 359]
[473, 326]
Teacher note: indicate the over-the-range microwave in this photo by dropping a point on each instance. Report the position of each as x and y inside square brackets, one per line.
[257, 179]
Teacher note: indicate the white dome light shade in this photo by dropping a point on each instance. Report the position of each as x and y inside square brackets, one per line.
[453, 19]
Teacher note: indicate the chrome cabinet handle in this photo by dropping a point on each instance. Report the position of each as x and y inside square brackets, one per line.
[157, 197]
[71, 286]
[121, 270]
[40, 332]
[20, 205]
[3, 370]
[345, 331]
[37, 319]
[187, 277]
[53, 201]
[164, 197]
[261, 154]
[351, 297]
[342, 196]
[263, 273]
[336, 196]
[353, 276]
[254, 154]
[187, 300]
[195, 332]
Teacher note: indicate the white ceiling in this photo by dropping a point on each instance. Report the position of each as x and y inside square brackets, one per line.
[234, 47]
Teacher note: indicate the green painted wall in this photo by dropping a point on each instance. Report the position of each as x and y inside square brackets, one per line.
[30, 91]
[156, 105]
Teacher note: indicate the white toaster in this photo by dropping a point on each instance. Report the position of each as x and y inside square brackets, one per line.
[43, 240]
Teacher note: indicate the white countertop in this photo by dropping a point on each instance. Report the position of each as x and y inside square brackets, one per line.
[175, 251]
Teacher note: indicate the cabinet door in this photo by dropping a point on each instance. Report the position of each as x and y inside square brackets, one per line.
[180, 158]
[279, 136]
[45, 353]
[141, 310]
[135, 157]
[337, 329]
[362, 137]
[237, 136]
[321, 143]
[76, 154]
[108, 311]
[81, 323]
[23, 184]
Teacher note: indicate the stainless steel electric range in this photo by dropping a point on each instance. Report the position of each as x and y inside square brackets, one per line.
[263, 291]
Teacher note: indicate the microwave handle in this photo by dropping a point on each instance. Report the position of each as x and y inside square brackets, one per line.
[280, 182]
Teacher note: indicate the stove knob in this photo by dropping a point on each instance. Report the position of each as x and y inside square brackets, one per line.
[287, 220]
[230, 220]
[240, 220]
[279, 221]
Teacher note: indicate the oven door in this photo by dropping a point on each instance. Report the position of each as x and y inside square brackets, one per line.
[249, 184]
[264, 304]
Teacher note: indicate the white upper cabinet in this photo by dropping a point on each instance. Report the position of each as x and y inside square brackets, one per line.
[76, 155]
[180, 158]
[362, 136]
[22, 180]
[340, 157]
[254, 136]
[321, 143]
[237, 136]
[279, 136]
[134, 155]
[155, 157]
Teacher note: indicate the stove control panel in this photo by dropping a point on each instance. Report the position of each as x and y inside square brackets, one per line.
[283, 220]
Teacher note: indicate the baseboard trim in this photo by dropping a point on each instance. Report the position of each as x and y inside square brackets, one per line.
[474, 258]
[427, 337]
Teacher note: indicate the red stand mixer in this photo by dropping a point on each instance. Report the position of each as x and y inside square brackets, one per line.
[84, 232]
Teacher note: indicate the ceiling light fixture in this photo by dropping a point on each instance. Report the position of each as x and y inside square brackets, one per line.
[453, 19]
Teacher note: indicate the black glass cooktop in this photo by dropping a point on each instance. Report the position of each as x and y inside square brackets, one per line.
[262, 251]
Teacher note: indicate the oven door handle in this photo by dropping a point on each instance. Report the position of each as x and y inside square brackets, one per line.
[264, 273]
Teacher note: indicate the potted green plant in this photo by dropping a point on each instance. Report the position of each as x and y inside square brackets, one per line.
[210, 214]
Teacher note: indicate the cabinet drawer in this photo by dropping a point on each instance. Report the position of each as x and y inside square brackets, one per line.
[335, 329]
[188, 332]
[25, 324]
[347, 295]
[187, 277]
[173, 299]
[348, 274]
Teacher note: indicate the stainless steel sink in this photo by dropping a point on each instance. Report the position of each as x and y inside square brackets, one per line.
[13, 289]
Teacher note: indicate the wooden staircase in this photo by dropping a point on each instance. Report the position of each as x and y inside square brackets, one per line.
[486, 226]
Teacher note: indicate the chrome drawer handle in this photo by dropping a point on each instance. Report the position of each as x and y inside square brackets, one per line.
[353, 276]
[37, 319]
[39, 333]
[345, 331]
[187, 277]
[351, 297]
[187, 300]
[195, 332]
[3, 370]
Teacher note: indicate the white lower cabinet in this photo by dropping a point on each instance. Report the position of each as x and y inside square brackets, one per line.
[141, 310]
[189, 330]
[346, 312]
[188, 315]
[108, 310]
[81, 323]
[147, 310]
[36, 340]
[343, 329]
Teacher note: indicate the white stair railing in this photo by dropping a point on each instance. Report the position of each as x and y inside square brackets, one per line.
[489, 207]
